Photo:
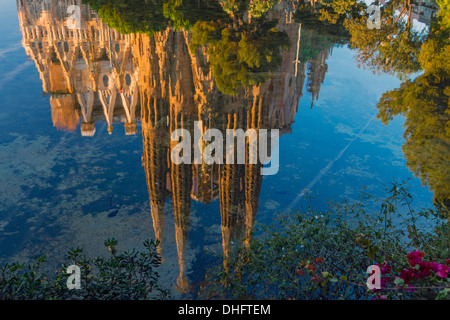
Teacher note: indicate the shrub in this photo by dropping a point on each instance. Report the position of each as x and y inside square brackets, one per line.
[129, 275]
[325, 255]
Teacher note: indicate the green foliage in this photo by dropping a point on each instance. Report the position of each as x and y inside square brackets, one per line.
[153, 16]
[183, 14]
[434, 55]
[329, 13]
[235, 7]
[324, 255]
[258, 8]
[129, 275]
[131, 16]
[444, 13]
[241, 54]
[393, 49]
[319, 32]
[336, 11]
[425, 104]
[340, 7]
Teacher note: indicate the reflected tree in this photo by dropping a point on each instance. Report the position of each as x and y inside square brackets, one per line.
[151, 16]
[243, 44]
[131, 16]
[258, 8]
[392, 49]
[241, 53]
[425, 105]
[183, 14]
[424, 101]
[444, 12]
[318, 31]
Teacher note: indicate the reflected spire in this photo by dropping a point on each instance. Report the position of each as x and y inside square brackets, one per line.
[98, 74]
[155, 164]
[181, 185]
[317, 68]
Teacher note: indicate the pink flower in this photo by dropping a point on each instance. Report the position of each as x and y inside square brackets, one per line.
[385, 268]
[407, 275]
[441, 270]
[415, 257]
[411, 288]
[384, 281]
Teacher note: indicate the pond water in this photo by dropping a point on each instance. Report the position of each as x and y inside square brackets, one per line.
[86, 116]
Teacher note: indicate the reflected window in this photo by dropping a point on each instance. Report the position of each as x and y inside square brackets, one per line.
[105, 80]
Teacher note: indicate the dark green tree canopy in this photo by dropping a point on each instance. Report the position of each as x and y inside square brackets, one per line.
[241, 54]
[424, 102]
[150, 16]
[131, 16]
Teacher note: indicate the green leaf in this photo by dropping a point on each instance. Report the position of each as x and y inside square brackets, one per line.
[399, 281]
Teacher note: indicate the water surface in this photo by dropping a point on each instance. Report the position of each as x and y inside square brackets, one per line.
[76, 171]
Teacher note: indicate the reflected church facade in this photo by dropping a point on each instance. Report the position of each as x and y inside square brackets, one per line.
[87, 72]
[95, 74]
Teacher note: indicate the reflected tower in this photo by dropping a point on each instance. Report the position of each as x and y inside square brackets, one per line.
[98, 74]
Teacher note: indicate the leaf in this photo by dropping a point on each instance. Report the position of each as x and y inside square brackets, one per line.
[400, 282]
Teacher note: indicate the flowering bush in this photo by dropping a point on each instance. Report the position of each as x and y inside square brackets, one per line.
[325, 255]
[420, 275]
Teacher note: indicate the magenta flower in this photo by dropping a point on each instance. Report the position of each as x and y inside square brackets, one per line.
[385, 268]
[407, 275]
[415, 257]
[441, 270]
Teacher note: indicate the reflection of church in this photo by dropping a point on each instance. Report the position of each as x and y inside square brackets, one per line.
[96, 74]
[87, 72]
